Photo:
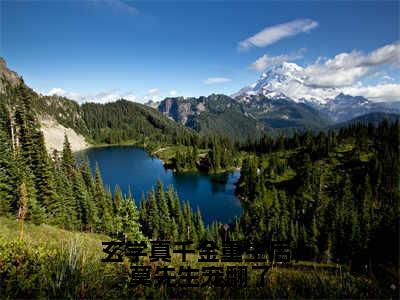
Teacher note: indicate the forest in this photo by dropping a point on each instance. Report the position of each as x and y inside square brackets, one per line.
[334, 195]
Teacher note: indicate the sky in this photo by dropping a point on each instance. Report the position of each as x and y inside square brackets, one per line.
[140, 50]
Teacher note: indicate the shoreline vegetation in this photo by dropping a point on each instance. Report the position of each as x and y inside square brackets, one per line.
[333, 195]
[167, 155]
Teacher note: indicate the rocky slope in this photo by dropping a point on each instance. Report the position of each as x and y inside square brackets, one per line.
[287, 81]
[54, 114]
[240, 118]
[215, 114]
[54, 132]
[90, 123]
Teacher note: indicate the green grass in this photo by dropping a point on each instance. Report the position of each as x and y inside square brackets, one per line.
[52, 237]
[344, 148]
[288, 175]
[54, 263]
[50, 262]
[167, 153]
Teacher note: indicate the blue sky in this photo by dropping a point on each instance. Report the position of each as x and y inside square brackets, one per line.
[153, 49]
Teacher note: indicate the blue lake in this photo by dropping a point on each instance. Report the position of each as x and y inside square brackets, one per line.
[129, 166]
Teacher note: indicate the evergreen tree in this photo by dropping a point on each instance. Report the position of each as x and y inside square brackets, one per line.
[128, 219]
[103, 204]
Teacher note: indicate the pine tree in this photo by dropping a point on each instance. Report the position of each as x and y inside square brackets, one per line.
[25, 176]
[68, 160]
[128, 219]
[153, 216]
[199, 224]
[143, 220]
[103, 204]
[117, 198]
[164, 226]
[84, 209]
[27, 125]
[7, 177]
[42, 169]
[87, 177]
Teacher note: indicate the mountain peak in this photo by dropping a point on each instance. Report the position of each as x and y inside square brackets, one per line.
[9, 75]
[290, 66]
[273, 83]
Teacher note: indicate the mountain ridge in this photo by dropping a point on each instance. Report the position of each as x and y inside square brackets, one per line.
[249, 115]
[89, 123]
[288, 81]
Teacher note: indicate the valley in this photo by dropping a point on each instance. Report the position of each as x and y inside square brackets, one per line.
[199, 149]
[259, 167]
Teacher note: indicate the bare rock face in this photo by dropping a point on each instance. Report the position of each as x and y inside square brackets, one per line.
[152, 104]
[10, 76]
[176, 108]
[54, 132]
[200, 108]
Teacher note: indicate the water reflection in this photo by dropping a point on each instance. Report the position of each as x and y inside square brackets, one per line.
[129, 166]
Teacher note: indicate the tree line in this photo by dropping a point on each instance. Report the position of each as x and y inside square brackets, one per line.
[334, 195]
[56, 190]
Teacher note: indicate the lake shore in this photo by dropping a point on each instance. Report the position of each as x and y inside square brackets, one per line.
[161, 154]
[134, 170]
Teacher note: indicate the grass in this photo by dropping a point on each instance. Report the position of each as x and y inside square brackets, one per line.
[288, 175]
[55, 263]
[344, 148]
[53, 237]
[52, 263]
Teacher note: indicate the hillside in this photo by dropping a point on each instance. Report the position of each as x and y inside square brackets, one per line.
[238, 119]
[90, 123]
[215, 114]
[372, 118]
[50, 262]
[124, 120]
[283, 114]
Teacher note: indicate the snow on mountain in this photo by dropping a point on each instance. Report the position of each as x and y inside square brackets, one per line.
[289, 81]
[286, 80]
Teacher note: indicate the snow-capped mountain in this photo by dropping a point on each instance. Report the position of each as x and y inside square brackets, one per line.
[288, 81]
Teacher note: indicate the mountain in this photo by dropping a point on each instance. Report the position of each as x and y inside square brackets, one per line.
[282, 113]
[345, 107]
[152, 104]
[89, 123]
[123, 120]
[240, 118]
[374, 118]
[215, 114]
[287, 81]
[8, 75]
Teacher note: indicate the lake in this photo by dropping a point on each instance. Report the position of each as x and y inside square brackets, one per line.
[130, 166]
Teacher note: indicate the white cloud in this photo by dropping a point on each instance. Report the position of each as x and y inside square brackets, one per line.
[57, 91]
[216, 80]
[267, 61]
[387, 79]
[100, 97]
[120, 6]
[345, 69]
[153, 95]
[272, 34]
[350, 73]
[153, 91]
[380, 92]
[173, 93]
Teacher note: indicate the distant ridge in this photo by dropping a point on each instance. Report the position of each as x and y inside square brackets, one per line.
[371, 118]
